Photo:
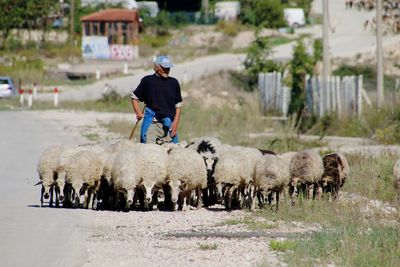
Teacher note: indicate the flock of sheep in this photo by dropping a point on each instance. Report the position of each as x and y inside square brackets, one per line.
[123, 175]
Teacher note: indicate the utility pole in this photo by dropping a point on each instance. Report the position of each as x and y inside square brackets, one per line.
[72, 21]
[379, 55]
[325, 43]
[205, 7]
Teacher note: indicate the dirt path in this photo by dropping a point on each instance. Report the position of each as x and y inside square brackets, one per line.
[195, 238]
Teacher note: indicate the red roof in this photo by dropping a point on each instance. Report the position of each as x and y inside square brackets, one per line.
[113, 15]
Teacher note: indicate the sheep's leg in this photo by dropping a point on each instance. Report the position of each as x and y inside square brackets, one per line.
[154, 200]
[76, 188]
[292, 193]
[205, 197]
[277, 201]
[228, 197]
[91, 197]
[57, 190]
[51, 196]
[269, 198]
[254, 200]
[41, 196]
[199, 197]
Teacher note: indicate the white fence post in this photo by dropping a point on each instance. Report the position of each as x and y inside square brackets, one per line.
[21, 97]
[30, 98]
[56, 97]
[34, 91]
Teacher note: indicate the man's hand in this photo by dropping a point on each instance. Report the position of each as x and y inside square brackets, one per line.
[174, 128]
[139, 116]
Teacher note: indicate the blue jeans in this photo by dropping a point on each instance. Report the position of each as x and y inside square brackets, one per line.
[148, 120]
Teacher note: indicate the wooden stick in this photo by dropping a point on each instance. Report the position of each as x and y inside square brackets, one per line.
[134, 127]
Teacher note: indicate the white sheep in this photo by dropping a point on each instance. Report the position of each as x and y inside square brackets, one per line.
[46, 169]
[235, 171]
[153, 170]
[185, 170]
[67, 155]
[396, 183]
[125, 176]
[271, 176]
[112, 150]
[336, 170]
[83, 172]
[306, 169]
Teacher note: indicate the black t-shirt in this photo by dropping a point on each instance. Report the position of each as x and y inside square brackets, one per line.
[159, 94]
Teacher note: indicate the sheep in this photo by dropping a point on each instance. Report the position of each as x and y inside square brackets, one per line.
[125, 176]
[67, 155]
[271, 176]
[185, 171]
[336, 170]
[235, 172]
[208, 148]
[306, 169]
[112, 150]
[83, 172]
[46, 169]
[153, 170]
[396, 183]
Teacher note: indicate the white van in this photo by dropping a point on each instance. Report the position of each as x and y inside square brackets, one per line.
[294, 17]
[228, 10]
[151, 6]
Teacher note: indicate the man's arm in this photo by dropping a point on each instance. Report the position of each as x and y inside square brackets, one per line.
[175, 124]
[136, 108]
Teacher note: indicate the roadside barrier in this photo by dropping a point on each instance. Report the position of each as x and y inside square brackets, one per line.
[56, 97]
[30, 98]
[34, 91]
[21, 96]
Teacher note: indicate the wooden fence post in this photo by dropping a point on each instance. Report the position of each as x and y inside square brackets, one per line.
[359, 95]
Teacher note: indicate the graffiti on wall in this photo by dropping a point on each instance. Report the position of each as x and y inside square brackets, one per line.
[95, 47]
[122, 52]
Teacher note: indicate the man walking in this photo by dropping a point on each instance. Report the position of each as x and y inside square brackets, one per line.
[162, 96]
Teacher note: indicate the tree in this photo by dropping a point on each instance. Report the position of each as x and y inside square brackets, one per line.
[10, 17]
[257, 59]
[301, 65]
[262, 13]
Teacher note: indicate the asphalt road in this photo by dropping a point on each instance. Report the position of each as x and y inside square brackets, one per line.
[30, 235]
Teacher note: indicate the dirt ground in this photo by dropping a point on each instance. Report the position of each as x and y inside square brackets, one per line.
[201, 237]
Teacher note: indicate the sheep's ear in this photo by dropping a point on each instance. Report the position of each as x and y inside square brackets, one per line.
[38, 183]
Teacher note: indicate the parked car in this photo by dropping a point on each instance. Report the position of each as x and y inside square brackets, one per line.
[7, 87]
[294, 17]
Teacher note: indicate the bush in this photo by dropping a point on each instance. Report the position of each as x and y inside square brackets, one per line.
[262, 13]
[228, 28]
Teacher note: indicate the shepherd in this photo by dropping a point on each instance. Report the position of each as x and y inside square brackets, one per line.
[162, 97]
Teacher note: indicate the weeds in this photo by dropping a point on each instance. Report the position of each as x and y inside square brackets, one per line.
[282, 246]
[208, 246]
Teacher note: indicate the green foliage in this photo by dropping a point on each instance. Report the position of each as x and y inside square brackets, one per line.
[29, 14]
[257, 59]
[282, 246]
[262, 13]
[369, 76]
[302, 64]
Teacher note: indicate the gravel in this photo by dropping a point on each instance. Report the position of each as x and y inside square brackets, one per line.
[156, 239]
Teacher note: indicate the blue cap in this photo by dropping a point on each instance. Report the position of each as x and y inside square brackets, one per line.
[164, 61]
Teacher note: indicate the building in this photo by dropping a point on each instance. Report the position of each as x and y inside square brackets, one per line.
[111, 34]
